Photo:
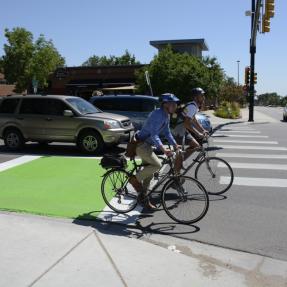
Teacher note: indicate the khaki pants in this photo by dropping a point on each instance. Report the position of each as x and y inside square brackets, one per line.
[152, 162]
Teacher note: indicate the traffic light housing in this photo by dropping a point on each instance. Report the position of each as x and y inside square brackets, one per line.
[255, 78]
[247, 76]
[265, 24]
[269, 9]
[268, 14]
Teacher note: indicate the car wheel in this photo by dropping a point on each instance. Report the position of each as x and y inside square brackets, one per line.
[13, 139]
[90, 142]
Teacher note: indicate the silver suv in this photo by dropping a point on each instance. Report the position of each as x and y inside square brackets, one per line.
[50, 118]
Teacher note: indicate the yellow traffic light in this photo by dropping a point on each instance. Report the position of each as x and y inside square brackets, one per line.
[269, 9]
[255, 78]
[265, 24]
[247, 76]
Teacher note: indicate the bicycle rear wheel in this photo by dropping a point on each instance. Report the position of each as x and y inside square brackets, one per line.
[185, 200]
[215, 174]
[117, 193]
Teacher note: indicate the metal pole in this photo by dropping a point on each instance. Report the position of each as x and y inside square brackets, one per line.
[238, 62]
[252, 65]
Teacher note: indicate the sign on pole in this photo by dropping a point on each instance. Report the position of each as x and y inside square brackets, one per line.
[148, 82]
[35, 85]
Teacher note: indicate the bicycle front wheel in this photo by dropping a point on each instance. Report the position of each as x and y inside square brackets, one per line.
[185, 200]
[215, 174]
[117, 193]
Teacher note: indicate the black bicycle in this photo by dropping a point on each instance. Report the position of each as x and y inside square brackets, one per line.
[183, 198]
[215, 173]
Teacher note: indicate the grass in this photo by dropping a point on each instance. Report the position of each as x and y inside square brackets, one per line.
[54, 186]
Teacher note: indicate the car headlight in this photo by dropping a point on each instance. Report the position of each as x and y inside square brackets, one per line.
[111, 124]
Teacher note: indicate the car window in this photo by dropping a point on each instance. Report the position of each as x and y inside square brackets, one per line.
[8, 106]
[125, 104]
[149, 106]
[33, 106]
[105, 105]
[83, 106]
[55, 107]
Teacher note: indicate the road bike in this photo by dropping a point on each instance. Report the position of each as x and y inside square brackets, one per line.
[183, 198]
[213, 172]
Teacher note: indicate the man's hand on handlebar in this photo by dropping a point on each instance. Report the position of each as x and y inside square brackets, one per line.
[168, 153]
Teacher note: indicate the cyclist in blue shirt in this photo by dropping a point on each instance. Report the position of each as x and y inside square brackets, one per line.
[157, 124]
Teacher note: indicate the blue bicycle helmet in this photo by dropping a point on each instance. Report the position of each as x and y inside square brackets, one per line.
[169, 98]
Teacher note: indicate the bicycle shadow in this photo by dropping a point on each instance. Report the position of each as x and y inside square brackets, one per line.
[137, 228]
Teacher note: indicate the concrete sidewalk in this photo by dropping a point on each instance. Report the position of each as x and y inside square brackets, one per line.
[258, 118]
[40, 251]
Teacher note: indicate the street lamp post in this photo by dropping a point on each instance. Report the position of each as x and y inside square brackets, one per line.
[238, 63]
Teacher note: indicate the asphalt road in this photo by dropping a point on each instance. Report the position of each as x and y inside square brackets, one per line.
[248, 218]
[274, 112]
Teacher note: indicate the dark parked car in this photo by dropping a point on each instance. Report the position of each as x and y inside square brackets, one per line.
[136, 107]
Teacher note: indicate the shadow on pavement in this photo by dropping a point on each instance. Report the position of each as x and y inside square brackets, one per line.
[137, 229]
[220, 126]
[214, 197]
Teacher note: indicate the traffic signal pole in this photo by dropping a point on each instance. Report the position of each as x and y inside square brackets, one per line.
[255, 8]
[269, 13]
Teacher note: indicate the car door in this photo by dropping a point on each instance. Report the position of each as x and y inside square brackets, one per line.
[57, 126]
[31, 118]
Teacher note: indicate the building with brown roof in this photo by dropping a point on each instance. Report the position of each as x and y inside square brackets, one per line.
[5, 89]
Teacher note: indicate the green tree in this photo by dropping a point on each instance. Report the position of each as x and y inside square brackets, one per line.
[179, 73]
[216, 77]
[17, 58]
[45, 60]
[24, 60]
[126, 59]
[269, 99]
[231, 92]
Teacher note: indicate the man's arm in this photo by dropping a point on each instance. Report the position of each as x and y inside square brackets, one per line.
[154, 135]
[168, 135]
[198, 125]
[188, 124]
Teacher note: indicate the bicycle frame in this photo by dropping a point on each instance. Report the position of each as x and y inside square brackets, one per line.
[202, 156]
[163, 178]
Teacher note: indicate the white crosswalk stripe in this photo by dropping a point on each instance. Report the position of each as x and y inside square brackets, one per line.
[238, 136]
[252, 155]
[252, 147]
[255, 165]
[245, 132]
[244, 139]
[241, 141]
[253, 181]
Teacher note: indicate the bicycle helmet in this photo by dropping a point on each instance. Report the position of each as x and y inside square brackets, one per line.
[197, 91]
[169, 98]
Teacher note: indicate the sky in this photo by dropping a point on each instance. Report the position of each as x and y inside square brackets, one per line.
[83, 28]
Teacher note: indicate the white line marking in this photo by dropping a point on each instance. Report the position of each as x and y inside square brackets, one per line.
[252, 155]
[245, 132]
[17, 161]
[253, 181]
[255, 165]
[248, 142]
[251, 147]
[238, 136]
[237, 129]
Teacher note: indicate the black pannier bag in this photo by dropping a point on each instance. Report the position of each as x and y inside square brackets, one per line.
[113, 161]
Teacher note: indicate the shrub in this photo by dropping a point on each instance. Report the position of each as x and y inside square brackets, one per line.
[228, 110]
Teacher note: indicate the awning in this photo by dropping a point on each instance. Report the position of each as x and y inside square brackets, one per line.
[119, 88]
